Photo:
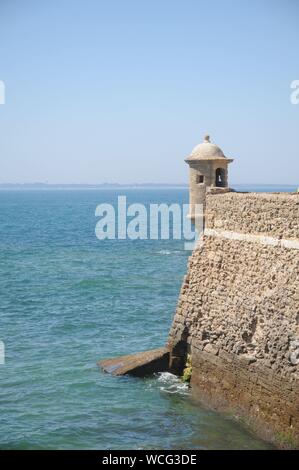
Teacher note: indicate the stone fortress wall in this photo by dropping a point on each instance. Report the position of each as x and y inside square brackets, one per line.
[237, 317]
[238, 312]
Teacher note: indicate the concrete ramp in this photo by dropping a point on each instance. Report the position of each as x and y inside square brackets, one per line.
[139, 364]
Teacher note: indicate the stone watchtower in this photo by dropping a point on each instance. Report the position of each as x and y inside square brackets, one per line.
[208, 173]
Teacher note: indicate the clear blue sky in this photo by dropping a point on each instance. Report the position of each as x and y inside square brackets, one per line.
[121, 91]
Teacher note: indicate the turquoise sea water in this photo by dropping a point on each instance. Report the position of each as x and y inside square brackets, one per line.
[68, 300]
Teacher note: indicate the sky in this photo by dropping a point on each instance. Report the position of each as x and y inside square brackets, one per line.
[121, 91]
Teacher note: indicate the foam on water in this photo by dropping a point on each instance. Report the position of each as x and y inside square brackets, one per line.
[170, 383]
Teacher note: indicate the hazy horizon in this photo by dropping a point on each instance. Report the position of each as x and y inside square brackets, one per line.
[123, 91]
[115, 184]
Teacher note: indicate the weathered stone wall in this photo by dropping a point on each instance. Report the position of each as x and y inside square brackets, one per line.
[238, 313]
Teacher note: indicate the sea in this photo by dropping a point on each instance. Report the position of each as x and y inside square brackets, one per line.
[68, 300]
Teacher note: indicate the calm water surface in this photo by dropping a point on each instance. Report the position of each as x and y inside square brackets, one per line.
[68, 300]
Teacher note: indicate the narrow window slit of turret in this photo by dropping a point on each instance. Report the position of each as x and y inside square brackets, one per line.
[220, 177]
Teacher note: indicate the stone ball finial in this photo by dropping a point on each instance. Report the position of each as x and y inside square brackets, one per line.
[207, 138]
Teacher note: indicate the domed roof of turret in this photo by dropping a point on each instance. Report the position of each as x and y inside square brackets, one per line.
[206, 151]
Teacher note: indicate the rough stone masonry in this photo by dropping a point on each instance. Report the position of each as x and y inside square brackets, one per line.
[238, 312]
[237, 317]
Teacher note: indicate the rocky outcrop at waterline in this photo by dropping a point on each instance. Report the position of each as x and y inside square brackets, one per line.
[139, 364]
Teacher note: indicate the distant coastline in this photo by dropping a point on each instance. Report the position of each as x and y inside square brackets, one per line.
[90, 186]
[48, 186]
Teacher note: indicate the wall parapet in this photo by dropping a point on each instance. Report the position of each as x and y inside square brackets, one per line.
[273, 214]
